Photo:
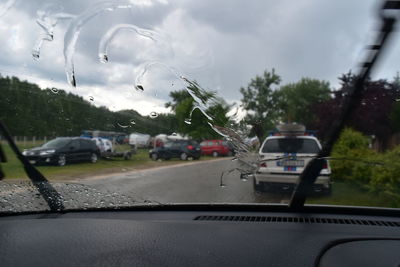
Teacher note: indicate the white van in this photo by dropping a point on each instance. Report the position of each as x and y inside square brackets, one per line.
[284, 157]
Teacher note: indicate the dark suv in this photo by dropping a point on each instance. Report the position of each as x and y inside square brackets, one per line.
[61, 150]
[183, 149]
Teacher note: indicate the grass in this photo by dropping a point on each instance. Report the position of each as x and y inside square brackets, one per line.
[14, 170]
[350, 194]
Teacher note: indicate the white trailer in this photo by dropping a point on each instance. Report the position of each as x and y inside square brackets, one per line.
[139, 140]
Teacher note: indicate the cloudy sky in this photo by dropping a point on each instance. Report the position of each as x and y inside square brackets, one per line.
[221, 44]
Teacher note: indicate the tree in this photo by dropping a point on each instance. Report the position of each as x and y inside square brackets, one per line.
[189, 114]
[372, 116]
[295, 100]
[260, 101]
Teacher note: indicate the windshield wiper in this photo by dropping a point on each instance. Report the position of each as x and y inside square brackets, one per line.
[50, 195]
[351, 101]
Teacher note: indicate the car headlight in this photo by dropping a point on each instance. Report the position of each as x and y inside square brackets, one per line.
[47, 152]
[25, 152]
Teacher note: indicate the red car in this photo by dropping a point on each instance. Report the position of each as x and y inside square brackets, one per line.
[215, 148]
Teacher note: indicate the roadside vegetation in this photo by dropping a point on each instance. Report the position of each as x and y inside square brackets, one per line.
[363, 176]
[349, 194]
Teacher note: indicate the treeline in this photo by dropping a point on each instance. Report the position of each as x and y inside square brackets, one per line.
[28, 110]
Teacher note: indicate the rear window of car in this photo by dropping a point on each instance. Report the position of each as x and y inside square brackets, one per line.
[291, 145]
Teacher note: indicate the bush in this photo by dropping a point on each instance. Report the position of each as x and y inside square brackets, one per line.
[385, 179]
[350, 155]
[376, 172]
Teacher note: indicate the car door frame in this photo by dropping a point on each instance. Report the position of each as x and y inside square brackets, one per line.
[85, 150]
[75, 153]
[176, 149]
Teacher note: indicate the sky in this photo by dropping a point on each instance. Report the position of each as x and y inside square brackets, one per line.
[220, 44]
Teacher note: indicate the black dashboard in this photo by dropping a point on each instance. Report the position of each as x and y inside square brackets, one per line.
[199, 238]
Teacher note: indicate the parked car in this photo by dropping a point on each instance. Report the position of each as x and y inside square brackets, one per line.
[63, 150]
[284, 157]
[104, 145]
[216, 148]
[183, 149]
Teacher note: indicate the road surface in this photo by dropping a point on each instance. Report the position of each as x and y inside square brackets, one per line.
[194, 182]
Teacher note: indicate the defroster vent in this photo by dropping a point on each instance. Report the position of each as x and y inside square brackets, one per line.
[295, 220]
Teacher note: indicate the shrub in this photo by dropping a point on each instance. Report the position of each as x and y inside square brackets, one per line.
[385, 179]
[351, 157]
[376, 172]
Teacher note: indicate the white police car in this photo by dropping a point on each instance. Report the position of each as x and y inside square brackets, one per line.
[284, 156]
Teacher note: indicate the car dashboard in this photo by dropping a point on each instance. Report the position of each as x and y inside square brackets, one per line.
[199, 237]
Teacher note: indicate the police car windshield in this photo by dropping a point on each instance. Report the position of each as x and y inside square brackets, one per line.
[291, 145]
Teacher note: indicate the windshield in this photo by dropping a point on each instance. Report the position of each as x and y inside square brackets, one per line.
[291, 145]
[240, 78]
[56, 143]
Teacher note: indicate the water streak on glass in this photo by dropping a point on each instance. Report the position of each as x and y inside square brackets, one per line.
[72, 35]
[47, 19]
[6, 6]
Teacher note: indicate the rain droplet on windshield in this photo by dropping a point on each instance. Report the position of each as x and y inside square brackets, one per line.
[103, 58]
[139, 87]
[71, 79]
[54, 90]
[122, 126]
[35, 55]
[153, 114]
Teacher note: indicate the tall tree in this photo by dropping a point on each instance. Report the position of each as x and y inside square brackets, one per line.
[191, 119]
[295, 100]
[259, 99]
[374, 114]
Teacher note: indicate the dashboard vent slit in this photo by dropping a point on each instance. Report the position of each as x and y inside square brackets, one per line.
[306, 220]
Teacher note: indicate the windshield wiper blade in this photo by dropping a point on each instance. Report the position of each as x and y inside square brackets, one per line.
[47, 191]
[351, 101]
[2, 159]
